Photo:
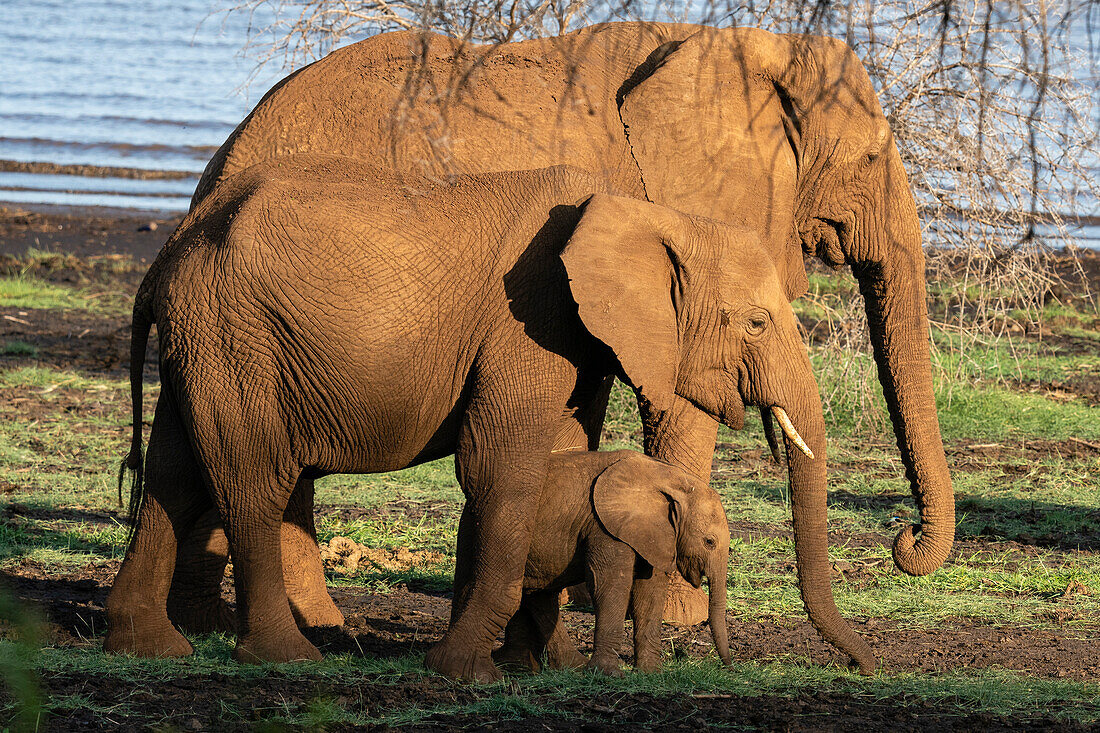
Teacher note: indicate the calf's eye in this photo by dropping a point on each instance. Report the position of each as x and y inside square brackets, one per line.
[711, 544]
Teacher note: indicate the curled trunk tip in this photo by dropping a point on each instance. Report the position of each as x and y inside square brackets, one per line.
[921, 555]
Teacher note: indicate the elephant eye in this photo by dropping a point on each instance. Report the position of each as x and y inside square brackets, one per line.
[711, 544]
[756, 324]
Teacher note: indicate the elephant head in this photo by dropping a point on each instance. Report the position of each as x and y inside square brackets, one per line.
[671, 521]
[785, 134]
[693, 307]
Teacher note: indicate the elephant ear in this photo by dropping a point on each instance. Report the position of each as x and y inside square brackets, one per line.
[715, 129]
[640, 501]
[628, 282]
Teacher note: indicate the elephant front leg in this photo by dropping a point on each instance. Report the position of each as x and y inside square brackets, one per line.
[683, 436]
[496, 553]
[610, 574]
[647, 602]
[503, 451]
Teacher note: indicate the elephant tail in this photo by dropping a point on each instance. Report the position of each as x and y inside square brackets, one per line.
[142, 322]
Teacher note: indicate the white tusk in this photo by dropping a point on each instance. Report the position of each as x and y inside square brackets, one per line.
[790, 432]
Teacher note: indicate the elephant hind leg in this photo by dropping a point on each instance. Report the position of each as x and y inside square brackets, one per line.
[252, 486]
[195, 602]
[137, 614]
[303, 572]
[536, 628]
[522, 646]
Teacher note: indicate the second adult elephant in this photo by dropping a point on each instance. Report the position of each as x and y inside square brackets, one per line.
[780, 133]
[318, 315]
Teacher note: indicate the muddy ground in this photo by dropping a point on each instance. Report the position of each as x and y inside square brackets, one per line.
[87, 251]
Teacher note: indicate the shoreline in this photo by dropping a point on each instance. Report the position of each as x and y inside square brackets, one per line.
[94, 171]
[84, 231]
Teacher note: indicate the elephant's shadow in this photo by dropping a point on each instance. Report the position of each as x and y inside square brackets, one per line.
[406, 620]
[74, 609]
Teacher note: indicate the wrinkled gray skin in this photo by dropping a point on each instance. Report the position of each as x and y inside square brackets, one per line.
[783, 134]
[620, 522]
[320, 315]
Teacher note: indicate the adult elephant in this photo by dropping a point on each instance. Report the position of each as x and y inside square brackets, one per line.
[780, 133]
[315, 316]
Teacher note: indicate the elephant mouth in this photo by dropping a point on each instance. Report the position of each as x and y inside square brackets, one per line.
[694, 577]
[821, 237]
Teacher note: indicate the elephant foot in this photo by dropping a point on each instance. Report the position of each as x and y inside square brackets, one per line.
[461, 664]
[648, 663]
[287, 647]
[146, 640]
[516, 659]
[205, 616]
[316, 613]
[562, 654]
[608, 665]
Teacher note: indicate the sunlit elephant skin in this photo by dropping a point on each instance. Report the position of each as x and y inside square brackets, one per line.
[781, 133]
[321, 315]
[600, 513]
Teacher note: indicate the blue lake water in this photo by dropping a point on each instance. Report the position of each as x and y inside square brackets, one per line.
[151, 85]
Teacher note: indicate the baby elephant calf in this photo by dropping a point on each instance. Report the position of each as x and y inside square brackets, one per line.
[621, 522]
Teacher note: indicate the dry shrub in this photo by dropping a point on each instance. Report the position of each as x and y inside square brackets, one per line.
[296, 32]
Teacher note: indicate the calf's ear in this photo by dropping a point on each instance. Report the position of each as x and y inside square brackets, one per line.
[637, 503]
[628, 280]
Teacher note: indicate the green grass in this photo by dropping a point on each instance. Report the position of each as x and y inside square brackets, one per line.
[549, 694]
[1020, 510]
[26, 291]
[18, 348]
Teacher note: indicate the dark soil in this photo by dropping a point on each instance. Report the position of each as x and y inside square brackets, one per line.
[405, 621]
[83, 232]
[95, 251]
[219, 702]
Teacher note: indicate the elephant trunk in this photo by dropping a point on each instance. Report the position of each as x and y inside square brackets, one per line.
[895, 299]
[808, 494]
[716, 615]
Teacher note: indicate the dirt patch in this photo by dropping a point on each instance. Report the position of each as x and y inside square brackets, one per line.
[83, 233]
[220, 702]
[1081, 386]
[344, 556]
[93, 344]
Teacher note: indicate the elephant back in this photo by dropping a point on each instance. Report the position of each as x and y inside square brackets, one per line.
[427, 103]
